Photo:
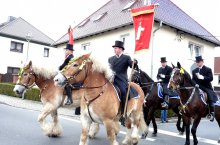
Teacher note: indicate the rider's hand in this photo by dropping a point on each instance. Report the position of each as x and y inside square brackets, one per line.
[201, 77]
[162, 75]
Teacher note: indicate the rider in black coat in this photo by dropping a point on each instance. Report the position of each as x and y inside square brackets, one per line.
[164, 74]
[119, 64]
[68, 57]
[203, 76]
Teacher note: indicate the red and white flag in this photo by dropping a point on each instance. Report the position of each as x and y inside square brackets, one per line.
[143, 18]
[70, 32]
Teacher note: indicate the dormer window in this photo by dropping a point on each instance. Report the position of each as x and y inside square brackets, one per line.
[100, 16]
[84, 22]
[129, 5]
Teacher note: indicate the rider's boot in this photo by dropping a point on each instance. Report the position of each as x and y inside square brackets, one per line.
[165, 104]
[211, 116]
[68, 90]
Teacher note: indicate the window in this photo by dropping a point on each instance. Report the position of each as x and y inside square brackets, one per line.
[13, 70]
[219, 79]
[100, 16]
[16, 47]
[86, 46]
[195, 50]
[124, 38]
[129, 5]
[84, 22]
[46, 52]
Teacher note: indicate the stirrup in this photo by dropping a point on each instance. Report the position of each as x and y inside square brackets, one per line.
[164, 105]
[211, 117]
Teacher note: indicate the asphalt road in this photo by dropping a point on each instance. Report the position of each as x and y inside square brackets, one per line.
[20, 127]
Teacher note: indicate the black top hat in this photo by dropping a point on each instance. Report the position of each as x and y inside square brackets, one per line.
[69, 47]
[119, 44]
[163, 59]
[198, 58]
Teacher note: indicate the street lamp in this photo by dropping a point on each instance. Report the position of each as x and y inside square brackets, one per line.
[28, 38]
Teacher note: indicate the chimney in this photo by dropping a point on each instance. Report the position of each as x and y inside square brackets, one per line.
[11, 18]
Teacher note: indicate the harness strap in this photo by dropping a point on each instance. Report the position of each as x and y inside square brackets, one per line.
[88, 102]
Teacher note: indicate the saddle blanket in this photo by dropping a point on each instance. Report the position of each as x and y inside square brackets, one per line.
[160, 92]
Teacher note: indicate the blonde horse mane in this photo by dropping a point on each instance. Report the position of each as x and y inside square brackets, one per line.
[45, 72]
[102, 66]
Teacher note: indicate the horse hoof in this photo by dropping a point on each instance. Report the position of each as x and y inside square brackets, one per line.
[181, 133]
[187, 144]
[143, 136]
[52, 135]
[154, 134]
[218, 141]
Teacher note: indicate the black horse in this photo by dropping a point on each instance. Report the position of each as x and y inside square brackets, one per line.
[153, 101]
[194, 101]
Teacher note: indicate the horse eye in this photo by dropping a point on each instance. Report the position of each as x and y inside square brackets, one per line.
[75, 65]
[25, 74]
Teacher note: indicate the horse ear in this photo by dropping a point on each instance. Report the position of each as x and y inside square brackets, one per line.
[172, 65]
[178, 65]
[30, 63]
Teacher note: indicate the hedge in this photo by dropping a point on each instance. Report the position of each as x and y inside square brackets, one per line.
[31, 94]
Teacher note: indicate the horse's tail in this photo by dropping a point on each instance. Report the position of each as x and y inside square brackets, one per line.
[143, 126]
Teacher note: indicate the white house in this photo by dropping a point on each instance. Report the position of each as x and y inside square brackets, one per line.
[20, 41]
[175, 35]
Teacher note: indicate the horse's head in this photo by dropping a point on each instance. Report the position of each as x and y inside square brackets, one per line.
[179, 77]
[74, 72]
[26, 79]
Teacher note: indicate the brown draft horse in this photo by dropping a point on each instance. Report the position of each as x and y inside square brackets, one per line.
[100, 102]
[153, 102]
[51, 96]
[193, 104]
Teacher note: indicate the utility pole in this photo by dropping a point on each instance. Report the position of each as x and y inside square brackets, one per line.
[28, 38]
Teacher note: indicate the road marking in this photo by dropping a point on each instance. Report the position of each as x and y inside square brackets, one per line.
[200, 139]
[169, 133]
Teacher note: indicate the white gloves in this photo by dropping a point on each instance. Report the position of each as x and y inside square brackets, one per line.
[162, 75]
[201, 77]
[160, 80]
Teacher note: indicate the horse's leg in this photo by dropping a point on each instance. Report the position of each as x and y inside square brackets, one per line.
[178, 123]
[56, 128]
[47, 109]
[186, 121]
[154, 126]
[110, 128]
[94, 129]
[194, 128]
[147, 121]
[127, 140]
[217, 117]
[85, 122]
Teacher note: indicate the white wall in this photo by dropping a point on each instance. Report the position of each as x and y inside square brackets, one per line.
[36, 51]
[164, 43]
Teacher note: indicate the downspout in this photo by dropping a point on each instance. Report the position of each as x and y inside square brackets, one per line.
[152, 52]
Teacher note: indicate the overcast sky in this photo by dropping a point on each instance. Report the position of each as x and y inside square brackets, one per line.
[53, 17]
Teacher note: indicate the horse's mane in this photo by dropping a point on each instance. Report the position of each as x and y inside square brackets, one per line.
[147, 76]
[101, 66]
[188, 77]
[44, 72]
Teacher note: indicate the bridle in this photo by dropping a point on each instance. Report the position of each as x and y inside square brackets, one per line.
[27, 86]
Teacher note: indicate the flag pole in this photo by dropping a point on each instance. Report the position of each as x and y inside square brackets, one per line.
[128, 91]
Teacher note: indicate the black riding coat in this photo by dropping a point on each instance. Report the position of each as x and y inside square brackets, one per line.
[208, 77]
[165, 71]
[205, 84]
[66, 61]
[120, 66]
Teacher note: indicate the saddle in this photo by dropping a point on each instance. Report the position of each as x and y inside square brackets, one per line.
[162, 92]
[132, 94]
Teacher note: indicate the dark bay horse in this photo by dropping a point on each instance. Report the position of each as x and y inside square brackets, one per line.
[153, 102]
[193, 101]
[100, 102]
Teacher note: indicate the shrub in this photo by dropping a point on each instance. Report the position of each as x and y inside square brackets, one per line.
[31, 94]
